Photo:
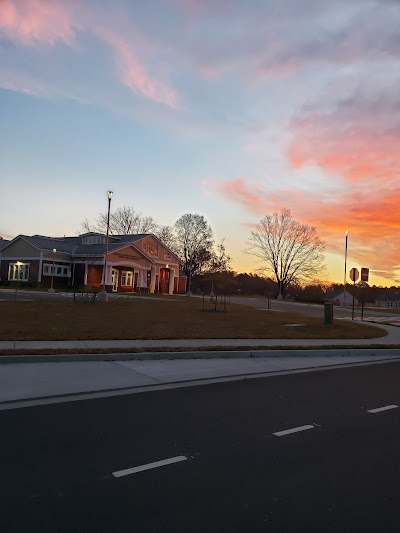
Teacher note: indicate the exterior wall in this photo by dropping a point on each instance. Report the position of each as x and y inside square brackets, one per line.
[94, 277]
[34, 265]
[129, 259]
[388, 303]
[182, 280]
[20, 248]
[78, 276]
[349, 299]
[157, 252]
[128, 255]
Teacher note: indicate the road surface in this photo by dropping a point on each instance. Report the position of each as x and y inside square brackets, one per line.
[306, 452]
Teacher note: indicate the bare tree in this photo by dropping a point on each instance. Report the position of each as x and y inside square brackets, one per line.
[220, 261]
[289, 250]
[123, 220]
[194, 242]
[167, 236]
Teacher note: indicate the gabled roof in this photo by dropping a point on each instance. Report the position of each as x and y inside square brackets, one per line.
[3, 243]
[98, 250]
[143, 235]
[44, 243]
[48, 243]
[74, 246]
[132, 237]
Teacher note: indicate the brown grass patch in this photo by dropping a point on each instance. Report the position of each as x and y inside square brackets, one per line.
[169, 319]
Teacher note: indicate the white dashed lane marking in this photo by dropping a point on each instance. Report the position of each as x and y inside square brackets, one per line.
[380, 409]
[293, 430]
[149, 466]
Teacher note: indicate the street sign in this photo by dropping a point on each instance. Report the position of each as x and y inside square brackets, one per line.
[364, 274]
[354, 274]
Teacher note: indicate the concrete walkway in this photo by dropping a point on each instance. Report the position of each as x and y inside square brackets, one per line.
[74, 376]
[27, 384]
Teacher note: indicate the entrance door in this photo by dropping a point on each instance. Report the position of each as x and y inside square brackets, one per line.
[114, 280]
[164, 280]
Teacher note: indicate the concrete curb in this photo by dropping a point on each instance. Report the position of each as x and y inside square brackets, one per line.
[217, 354]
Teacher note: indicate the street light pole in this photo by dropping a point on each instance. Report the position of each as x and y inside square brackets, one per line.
[345, 266]
[103, 296]
[52, 272]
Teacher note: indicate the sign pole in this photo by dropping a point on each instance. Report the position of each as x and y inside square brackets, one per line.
[354, 277]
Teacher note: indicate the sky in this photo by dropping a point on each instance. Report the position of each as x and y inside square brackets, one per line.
[225, 108]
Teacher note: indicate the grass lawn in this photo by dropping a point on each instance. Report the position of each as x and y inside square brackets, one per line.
[389, 310]
[170, 319]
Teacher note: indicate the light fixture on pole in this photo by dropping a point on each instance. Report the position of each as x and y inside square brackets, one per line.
[345, 267]
[103, 295]
[52, 272]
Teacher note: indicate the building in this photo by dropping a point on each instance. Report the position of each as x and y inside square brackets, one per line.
[140, 263]
[346, 300]
[387, 303]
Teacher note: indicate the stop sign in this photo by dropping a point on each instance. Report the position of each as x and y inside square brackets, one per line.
[354, 274]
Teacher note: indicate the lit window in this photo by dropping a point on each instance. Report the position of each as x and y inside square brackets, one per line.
[126, 278]
[57, 270]
[18, 271]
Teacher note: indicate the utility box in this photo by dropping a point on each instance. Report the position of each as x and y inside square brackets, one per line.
[328, 312]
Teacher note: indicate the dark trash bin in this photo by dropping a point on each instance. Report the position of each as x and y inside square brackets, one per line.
[328, 312]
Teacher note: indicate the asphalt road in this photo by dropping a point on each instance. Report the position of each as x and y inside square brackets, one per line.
[311, 309]
[231, 468]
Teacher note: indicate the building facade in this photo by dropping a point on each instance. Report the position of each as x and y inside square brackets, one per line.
[135, 263]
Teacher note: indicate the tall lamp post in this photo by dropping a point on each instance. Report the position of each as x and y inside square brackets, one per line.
[52, 272]
[345, 267]
[103, 295]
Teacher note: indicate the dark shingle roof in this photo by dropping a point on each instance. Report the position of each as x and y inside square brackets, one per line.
[3, 242]
[132, 237]
[48, 243]
[96, 249]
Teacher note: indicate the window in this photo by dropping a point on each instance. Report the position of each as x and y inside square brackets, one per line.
[97, 239]
[18, 271]
[126, 278]
[60, 271]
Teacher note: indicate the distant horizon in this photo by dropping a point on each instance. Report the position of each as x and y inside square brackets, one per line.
[229, 110]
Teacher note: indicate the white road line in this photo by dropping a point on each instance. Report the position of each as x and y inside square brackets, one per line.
[149, 466]
[379, 409]
[293, 430]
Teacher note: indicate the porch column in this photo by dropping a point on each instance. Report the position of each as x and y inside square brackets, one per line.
[152, 287]
[171, 280]
[40, 267]
[109, 275]
[86, 273]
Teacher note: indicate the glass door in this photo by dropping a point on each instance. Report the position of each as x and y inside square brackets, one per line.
[114, 280]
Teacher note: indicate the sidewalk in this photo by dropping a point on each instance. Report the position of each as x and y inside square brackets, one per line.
[42, 383]
[37, 379]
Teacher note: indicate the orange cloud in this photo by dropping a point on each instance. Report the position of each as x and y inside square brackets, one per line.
[373, 220]
[37, 20]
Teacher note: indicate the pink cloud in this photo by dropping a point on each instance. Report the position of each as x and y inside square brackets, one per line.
[37, 20]
[133, 73]
[33, 21]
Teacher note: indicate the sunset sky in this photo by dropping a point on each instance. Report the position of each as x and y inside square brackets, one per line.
[228, 108]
